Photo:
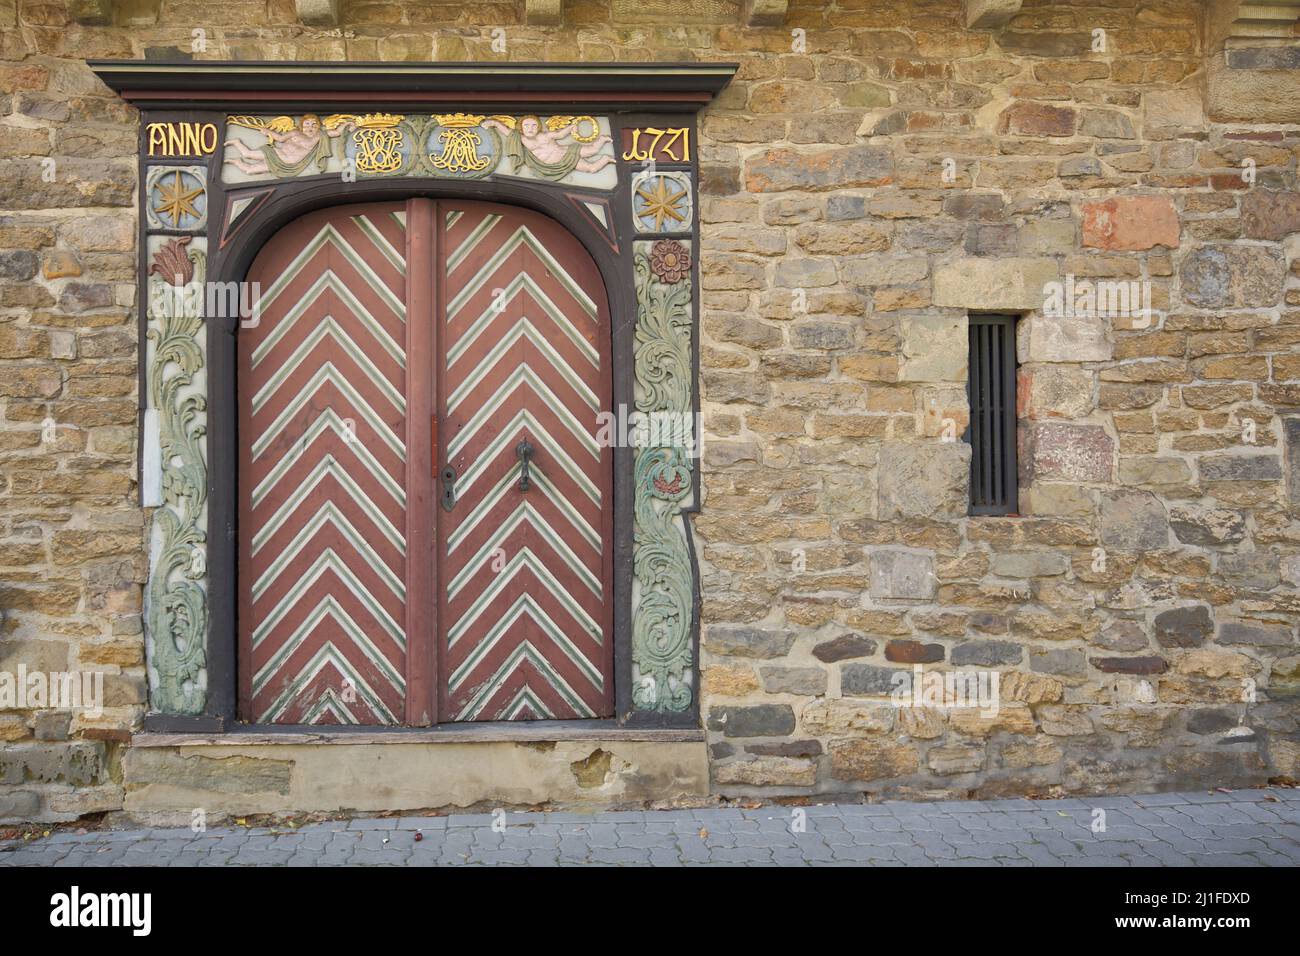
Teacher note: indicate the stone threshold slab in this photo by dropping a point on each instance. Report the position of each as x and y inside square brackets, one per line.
[538, 732]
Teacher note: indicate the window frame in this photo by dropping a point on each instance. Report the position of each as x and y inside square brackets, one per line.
[995, 334]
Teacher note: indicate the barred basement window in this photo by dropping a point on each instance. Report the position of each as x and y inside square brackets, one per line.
[991, 389]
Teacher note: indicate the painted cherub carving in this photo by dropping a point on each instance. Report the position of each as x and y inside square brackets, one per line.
[290, 146]
[531, 144]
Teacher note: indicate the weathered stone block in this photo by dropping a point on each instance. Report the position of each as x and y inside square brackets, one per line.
[986, 284]
[1106, 124]
[762, 720]
[1233, 277]
[955, 759]
[225, 775]
[1270, 214]
[1037, 119]
[844, 647]
[902, 575]
[748, 641]
[1130, 665]
[1291, 435]
[766, 772]
[1255, 635]
[1013, 718]
[1240, 468]
[871, 759]
[1042, 338]
[19, 805]
[835, 718]
[1057, 660]
[1029, 564]
[1122, 636]
[805, 681]
[870, 272]
[728, 681]
[1057, 451]
[923, 480]
[1255, 569]
[1054, 391]
[934, 348]
[986, 653]
[1184, 626]
[1178, 109]
[1212, 527]
[80, 763]
[1130, 223]
[913, 652]
[1133, 520]
[783, 169]
[868, 680]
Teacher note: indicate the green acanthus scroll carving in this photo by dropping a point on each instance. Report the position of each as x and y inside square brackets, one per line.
[177, 609]
[663, 595]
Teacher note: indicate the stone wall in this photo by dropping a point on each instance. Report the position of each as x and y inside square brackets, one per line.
[866, 183]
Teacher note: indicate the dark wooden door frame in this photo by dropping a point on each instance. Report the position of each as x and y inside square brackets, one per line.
[293, 200]
[631, 95]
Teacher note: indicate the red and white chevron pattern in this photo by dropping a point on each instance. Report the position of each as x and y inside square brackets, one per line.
[323, 477]
[525, 604]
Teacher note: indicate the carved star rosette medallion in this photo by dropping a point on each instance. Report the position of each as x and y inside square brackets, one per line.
[176, 198]
[661, 203]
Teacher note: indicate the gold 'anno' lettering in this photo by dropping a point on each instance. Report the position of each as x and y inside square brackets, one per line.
[182, 139]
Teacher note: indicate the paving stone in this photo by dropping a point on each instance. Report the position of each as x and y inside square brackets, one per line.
[1237, 828]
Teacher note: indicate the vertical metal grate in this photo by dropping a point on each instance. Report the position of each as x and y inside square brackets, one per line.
[992, 433]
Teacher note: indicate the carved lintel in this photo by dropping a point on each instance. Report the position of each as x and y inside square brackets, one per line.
[990, 14]
[765, 13]
[91, 13]
[543, 13]
[318, 13]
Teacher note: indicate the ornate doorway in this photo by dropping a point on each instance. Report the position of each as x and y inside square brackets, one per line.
[426, 513]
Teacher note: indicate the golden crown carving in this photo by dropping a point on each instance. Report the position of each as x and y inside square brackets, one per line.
[379, 120]
[459, 120]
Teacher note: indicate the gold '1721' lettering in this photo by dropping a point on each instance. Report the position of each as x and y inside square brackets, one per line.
[651, 144]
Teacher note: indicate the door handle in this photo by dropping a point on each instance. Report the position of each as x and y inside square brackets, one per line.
[525, 453]
[448, 488]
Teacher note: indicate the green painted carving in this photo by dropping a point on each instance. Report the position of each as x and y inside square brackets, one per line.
[177, 609]
[663, 594]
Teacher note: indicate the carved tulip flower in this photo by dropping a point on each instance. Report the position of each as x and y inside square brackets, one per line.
[669, 261]
[172, 262]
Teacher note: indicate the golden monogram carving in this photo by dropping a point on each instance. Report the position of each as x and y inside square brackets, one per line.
[460, 142]
[379, 143]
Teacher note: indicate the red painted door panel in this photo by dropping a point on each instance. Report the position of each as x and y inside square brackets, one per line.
[525, 610]
[361, 600]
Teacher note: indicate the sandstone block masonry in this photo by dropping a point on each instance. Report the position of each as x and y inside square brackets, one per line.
[866, 183]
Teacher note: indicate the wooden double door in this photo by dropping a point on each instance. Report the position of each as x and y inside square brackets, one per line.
[426, 513]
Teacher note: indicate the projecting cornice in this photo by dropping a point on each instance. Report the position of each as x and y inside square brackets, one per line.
[286, 85]
[1253, 61]
[1266, 20]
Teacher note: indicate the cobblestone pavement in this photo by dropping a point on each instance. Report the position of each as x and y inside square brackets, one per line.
[1242, 828]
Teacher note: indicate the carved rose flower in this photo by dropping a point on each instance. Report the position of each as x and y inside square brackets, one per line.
[669, 261]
